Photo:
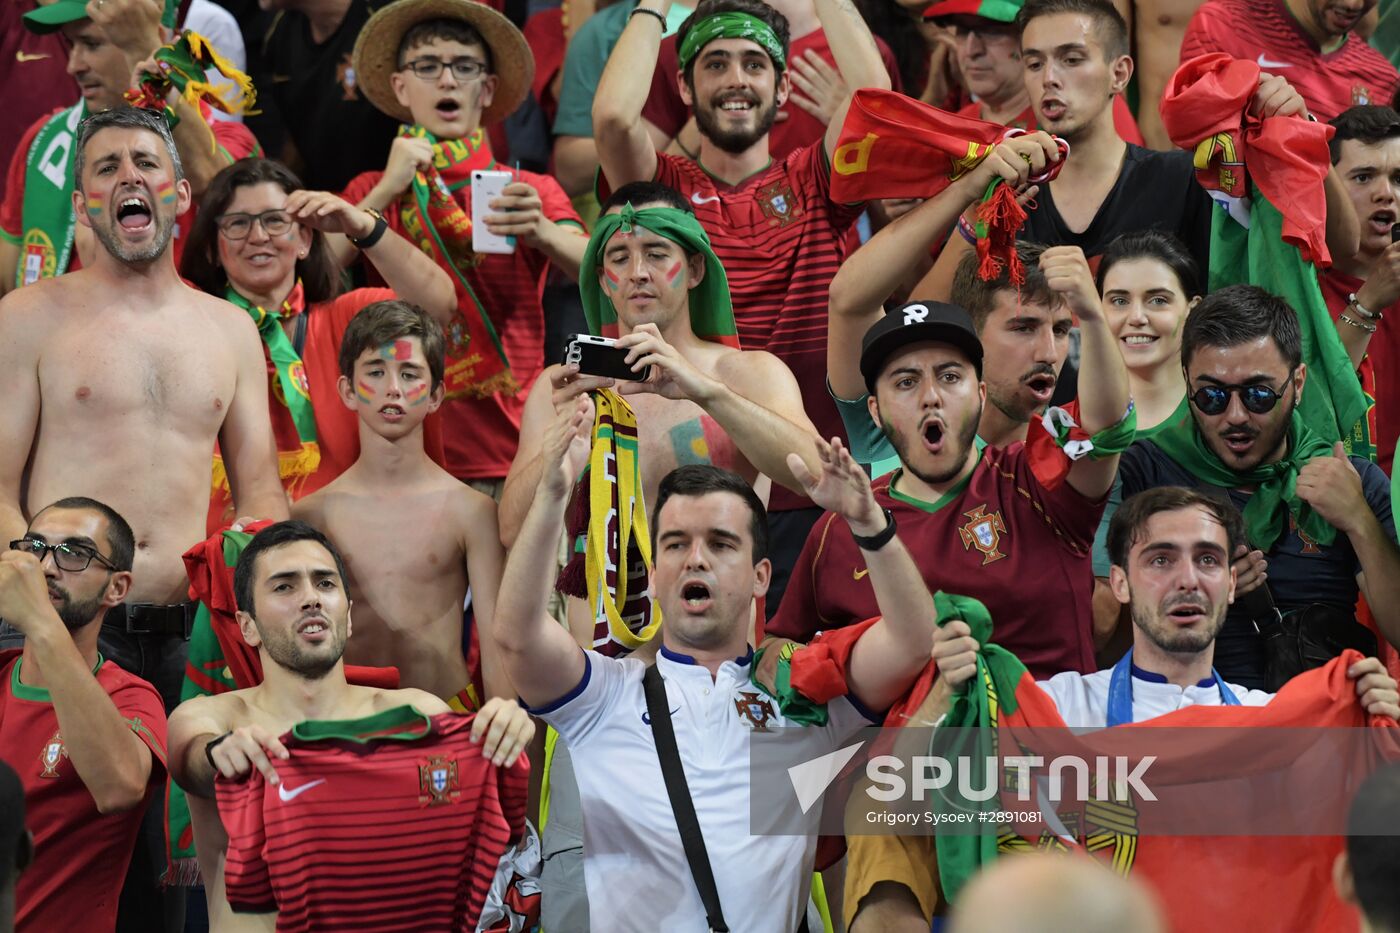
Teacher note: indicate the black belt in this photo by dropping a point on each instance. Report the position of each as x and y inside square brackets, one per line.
[148, 619]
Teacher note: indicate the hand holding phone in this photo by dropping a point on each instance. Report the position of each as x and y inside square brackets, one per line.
[487, 186]
[601, 356]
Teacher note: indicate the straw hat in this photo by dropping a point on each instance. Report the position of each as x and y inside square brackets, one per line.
[377, 49]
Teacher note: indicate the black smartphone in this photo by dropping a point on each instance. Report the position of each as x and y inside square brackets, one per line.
[601, 356]
[1394, 233]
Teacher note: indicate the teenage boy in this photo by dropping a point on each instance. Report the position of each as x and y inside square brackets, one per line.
[447, 69]
[443, 533]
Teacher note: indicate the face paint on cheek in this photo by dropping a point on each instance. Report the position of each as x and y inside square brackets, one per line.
[673, 274]
[613, 280]
[417, 395]
[166, 193]
[365, 392]
[94, 206]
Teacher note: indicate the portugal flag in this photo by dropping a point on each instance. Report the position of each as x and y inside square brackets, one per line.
[1266, 176]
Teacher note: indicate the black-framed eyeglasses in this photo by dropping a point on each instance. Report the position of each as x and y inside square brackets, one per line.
[1258, 398]
[463, 69]
[72, 558]
[238, 226]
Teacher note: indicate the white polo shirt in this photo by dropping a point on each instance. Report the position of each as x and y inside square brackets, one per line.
[634, 862]
[1082, 699]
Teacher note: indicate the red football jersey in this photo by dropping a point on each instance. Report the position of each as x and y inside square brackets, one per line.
[80, 855]
[391, 822]
[1263, 31]
[781, 239]
[1002, 538]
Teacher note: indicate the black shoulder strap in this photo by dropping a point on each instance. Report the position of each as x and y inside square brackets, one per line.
[659, 711]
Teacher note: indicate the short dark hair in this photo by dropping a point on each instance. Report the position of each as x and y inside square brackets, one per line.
[699, 479]
[1130, 521]
[382, 321]
[978, 296]
[1372, 856]
[120, 539]
[638, 193]
[1366, 123]
[451, 30]
[124, 118]
[1108, 22]
[1153, 244]
[319, 272]
[755, 8]
[11, 823]
[274, 536]
[1238, 314]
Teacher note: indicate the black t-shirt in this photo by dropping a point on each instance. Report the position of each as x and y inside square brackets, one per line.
[308, 96]
[1154, 190]
[1300, 571]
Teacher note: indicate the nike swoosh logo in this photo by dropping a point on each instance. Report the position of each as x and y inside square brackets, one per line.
[859, 574]
[696, 199]
[286, 795]
[31, 56]
[646, 716]
[1265, 63]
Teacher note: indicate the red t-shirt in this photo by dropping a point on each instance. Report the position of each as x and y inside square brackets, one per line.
[1264, 31]
[34, 75]
[390, 822]
[80, 855]
[235, 139]
[1004, 539]
[1123, 120]
[480, 435]
[668, 113]
[1380, 367]
[544, 33]
[781, 239]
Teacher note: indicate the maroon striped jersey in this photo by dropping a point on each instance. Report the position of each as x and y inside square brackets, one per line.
[1263, 31]
[781, 239]
[394, 822]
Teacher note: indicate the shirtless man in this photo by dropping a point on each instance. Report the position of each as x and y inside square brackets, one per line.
[135, 375]
[289, 585]
[700, 404]
[443, 532]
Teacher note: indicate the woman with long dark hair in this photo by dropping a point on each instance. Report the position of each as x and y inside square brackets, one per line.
[1148, 283]
[258, 241]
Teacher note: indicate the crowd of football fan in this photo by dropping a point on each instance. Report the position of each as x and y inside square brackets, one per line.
[646, 382]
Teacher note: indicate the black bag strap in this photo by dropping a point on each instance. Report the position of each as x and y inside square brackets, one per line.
[659, 711]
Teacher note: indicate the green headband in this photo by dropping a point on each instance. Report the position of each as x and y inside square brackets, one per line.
[711, 310]
[731, 26]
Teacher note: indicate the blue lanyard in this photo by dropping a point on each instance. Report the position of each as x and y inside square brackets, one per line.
[1120, 691]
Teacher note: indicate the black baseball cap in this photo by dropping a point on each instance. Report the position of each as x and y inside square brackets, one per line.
[916, 322]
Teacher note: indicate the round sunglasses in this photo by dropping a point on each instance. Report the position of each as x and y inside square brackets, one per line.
[1257, 398]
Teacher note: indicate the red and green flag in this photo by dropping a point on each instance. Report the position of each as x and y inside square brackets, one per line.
[1266, 176]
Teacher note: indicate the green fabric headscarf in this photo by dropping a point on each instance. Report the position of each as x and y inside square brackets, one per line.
[969, 729]
[711, 309]
[1276, 484]
[731, 25]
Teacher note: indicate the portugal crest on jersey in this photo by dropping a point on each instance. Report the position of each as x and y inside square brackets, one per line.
[52, 753]
[983, 532]
[437, 781]
[778, 204]
[756, 709]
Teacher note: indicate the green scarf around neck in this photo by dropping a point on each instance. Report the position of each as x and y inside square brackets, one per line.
[1275, 484]
[46, 223]
[711, 308]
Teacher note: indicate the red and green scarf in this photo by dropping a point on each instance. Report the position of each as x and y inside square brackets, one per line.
[184, 65]
[435, 221]
[290, 388]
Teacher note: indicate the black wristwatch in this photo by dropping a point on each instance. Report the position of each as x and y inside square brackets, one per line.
[209, 749]
[877, 541]
[375, 235]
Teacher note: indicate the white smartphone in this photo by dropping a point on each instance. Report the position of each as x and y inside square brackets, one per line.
[486, 187]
